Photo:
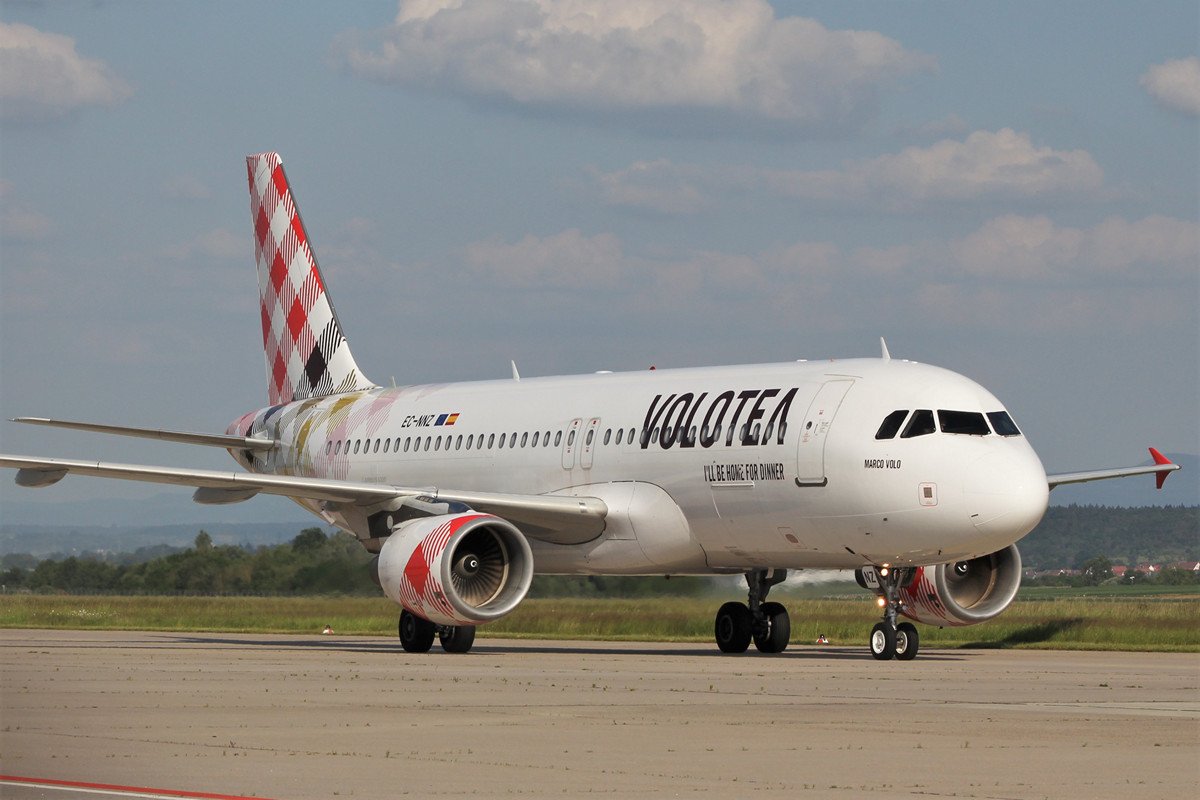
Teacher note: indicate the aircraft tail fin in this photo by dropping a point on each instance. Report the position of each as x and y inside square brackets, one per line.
[307, 353]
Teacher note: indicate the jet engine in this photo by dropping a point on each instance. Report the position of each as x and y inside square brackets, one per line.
[455, 569]
[960, 593]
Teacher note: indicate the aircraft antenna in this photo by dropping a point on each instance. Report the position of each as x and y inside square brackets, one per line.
[883, 345]
[516, 375]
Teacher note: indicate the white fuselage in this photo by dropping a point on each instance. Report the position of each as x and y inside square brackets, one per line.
[719, 469]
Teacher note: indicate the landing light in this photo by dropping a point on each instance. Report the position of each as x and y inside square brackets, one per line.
[879, 601]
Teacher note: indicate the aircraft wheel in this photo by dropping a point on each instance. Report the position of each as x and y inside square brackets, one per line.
[907, 641]
[778, 632]
[734, 627]
[883, 641]
[457, 638]
[416, 634]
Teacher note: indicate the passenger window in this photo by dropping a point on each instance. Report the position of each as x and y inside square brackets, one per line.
[891, 424]
[428, 441]
[607, 436]
[387, 443]
[503, 439]
[571, 439]
[357, 442]
[407, 442]
[591, 435]
[767, 433]
[376, 448]
[654, 436]
[458, 442]
[620, 434]
[970, 423]
[536, 435]
[491, 440]
[1002, 424]
[512, 440]
[921, 424]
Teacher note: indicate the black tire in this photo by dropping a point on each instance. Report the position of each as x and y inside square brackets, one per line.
[779, 629]
[908, 641]
[883, 641]
[457, 639]
[416, 634]
[734, 627]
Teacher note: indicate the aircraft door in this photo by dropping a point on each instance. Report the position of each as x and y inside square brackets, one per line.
[810, 452]
[570, 445]
[588, 446]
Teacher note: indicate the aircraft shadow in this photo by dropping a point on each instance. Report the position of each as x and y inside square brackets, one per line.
[1030, 634]
[388, 646]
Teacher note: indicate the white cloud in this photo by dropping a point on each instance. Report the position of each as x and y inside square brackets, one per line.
[186, 187]
[985, 166]
[565, 260]
[654, 186]
[42, 77]
[1013, 272]
[729, 61]
[1034, 248]
[19, 223]
[1175, 84]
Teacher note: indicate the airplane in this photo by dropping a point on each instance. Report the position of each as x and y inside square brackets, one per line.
[913, 476]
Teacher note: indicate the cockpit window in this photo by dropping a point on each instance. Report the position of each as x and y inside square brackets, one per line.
[921, 424]
[971, 423]
[891, 424]
[1002, 423]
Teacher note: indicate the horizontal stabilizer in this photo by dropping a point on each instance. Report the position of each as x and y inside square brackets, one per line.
[182, 437]
[1161, 468]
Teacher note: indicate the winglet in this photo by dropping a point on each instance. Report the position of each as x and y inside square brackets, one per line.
[1161, 476]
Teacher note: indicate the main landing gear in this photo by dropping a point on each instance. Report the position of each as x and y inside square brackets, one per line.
[889, 640]
[417, 634]
[766, 624]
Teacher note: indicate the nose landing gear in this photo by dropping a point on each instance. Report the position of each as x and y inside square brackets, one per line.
[766, 624]
[889, 640]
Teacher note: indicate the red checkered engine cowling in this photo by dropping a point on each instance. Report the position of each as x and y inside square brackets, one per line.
[456, 569]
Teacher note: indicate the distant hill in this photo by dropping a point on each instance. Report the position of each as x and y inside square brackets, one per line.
[44, 541]
[1070, 535]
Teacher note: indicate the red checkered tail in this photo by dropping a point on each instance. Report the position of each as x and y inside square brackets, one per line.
[307, 353]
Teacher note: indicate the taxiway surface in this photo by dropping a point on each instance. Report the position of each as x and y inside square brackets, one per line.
[301, 717]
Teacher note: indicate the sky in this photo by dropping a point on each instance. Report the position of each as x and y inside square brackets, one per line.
[1009, 190]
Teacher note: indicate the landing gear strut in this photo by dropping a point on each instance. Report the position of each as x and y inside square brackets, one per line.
[766, 624]
[417, 635]
[889, 640]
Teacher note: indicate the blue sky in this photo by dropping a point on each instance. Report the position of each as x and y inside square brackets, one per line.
[1009, 190]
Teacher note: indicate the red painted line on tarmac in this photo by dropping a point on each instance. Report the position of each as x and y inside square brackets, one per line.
[52, 783]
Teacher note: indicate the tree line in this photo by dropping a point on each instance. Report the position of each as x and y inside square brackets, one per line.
[313, 563]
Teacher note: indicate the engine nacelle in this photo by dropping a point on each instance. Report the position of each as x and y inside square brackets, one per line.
[456, 569]
[964, 592]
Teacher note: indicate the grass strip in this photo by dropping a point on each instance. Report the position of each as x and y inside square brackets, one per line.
[1092, 623]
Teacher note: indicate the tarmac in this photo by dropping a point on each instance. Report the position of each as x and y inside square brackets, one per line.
[297, 717]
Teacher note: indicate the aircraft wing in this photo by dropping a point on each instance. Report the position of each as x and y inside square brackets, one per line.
[1162, 467]
[557, 519]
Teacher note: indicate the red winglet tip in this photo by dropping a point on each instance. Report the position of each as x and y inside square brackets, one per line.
[1160, 477]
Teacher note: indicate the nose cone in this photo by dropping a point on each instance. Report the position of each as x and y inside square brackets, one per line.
[1006, 493]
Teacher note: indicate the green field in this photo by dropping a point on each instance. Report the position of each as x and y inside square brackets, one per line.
[1162, 622]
